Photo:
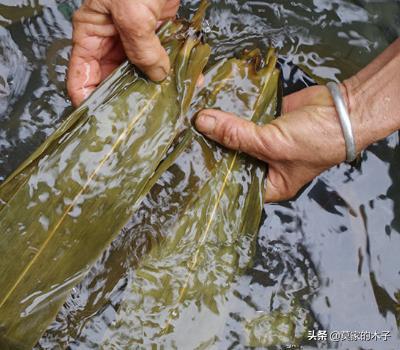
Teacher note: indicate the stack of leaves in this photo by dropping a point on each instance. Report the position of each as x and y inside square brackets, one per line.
[193, 235]
[207, 234]
[65, 204]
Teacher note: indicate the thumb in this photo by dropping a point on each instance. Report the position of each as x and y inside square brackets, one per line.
[234, 132]
[239, 134]
[137, 22]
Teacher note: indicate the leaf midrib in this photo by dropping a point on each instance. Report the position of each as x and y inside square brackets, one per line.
[53, 232]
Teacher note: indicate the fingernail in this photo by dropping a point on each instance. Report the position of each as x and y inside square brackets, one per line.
[206, 123]
[159, 74]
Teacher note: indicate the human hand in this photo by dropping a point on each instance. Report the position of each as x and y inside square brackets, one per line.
[107, 32]
[308, 138]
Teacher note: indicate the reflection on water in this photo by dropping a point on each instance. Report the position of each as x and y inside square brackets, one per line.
[328, 260]
[34, 61]
[14, 72]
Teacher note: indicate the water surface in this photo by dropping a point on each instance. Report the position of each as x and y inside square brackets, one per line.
[330, 256]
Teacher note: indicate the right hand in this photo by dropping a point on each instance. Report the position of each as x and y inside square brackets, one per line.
[106, 32]
[298, 146]
[308, 138]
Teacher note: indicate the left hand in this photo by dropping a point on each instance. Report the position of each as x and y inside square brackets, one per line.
[106, 32]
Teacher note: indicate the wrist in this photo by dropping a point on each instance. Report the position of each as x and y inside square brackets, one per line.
[374, 103]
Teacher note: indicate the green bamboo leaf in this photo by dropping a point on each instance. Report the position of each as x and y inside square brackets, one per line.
[275, 328]
[19, 10]
[207, 240]
[65, 204]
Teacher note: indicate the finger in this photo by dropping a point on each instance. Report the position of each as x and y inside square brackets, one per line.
[234, 132]
[87, 68]
[170, 9]
[84, 74]
[239, 134]
[112, 59]
[136, 22]
[91, 40]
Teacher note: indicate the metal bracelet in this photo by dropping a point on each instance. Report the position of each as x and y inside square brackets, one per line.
[351, 153]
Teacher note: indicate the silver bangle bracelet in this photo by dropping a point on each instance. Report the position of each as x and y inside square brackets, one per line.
[351, 153]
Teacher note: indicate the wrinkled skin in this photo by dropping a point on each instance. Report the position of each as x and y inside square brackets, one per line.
[308, 139]
[107, 32]
[295, 146]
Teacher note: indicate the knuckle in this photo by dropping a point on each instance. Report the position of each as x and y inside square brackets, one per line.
[144, 29]
[230, 135]
[273, 141]
[144, 58]
[77, 16]
[144, 21]
[140, 22]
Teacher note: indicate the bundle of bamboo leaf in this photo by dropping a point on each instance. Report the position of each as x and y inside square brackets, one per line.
[207, 241]
[62, 207]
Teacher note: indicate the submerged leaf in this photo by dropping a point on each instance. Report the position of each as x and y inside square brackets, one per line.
[278, 327]
[63, 206]
[208, 239]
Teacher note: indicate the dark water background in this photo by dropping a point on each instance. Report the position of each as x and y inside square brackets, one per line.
[334, 251]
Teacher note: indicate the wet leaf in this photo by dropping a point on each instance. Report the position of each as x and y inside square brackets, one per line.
[207, 241]
[278, 328]
[63, 206]
[18, 11]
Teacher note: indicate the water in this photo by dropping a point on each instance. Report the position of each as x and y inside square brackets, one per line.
[330, 256]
